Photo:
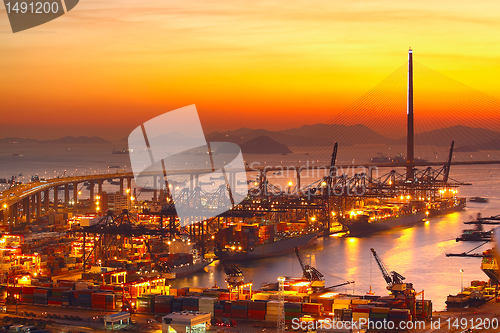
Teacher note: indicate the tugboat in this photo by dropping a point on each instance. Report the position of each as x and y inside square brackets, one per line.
[475, 235]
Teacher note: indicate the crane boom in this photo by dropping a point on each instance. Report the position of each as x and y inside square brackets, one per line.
[310, 273]
[163, 267]
[448, 164]
[332, 165]
[381, 265]
[300, 259]
[340, 285]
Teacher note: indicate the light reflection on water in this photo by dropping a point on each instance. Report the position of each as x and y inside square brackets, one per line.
[417, 253]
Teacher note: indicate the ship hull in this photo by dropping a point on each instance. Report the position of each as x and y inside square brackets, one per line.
[191, 269]
[271, 249]
[361, 228]
[448, 210]
[456, 302]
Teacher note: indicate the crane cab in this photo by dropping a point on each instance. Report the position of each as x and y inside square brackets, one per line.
[401, 288]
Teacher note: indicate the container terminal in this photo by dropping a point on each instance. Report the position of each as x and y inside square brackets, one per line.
[114, 252]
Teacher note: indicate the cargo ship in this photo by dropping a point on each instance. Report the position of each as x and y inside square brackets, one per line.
[372, 219]
[364, 226]
[271, 249]
[186, 270]
[446, 206]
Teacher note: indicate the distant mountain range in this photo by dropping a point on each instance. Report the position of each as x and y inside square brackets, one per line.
[307, 135]
[65, 140]
[467, 139]
[464, 136]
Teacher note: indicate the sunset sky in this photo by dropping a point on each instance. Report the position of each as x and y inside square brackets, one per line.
[108, 66]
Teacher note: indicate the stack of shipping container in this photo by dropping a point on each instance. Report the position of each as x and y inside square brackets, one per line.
[262, 307]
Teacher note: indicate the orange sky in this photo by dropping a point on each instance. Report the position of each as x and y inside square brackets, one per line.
[109, 66]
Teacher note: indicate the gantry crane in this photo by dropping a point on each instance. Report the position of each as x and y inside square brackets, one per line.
[234, 275]
[164, 269]
[394, 280]
[310, 273]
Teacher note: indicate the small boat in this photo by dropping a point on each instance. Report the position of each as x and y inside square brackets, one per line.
[476, 235]
[113, 166]
[217, 178]
[206, 183]
[122, 151]
[478, 199]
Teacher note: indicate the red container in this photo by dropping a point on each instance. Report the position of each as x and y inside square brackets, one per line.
[224, 297]
[257, 317]
[144, 309]
[28, 290]
[160, 308]
[259, 306]
[240, 314]
[314, 308]
[257, 313]
[112, 288]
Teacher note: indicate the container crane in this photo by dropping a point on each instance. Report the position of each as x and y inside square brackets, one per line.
[310, 273]
[163, 268]
[394, 280]
[235, 277]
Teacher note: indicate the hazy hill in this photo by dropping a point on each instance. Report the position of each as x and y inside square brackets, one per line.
[264, 145]
[490, 145]
[242, 135]
[66, 139]
[322, 134]
[78, 140]
[463, 136]
[307, 135]
[17, 140]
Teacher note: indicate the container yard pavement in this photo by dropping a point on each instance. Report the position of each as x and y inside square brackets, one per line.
[489, 311]
[87, 325]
